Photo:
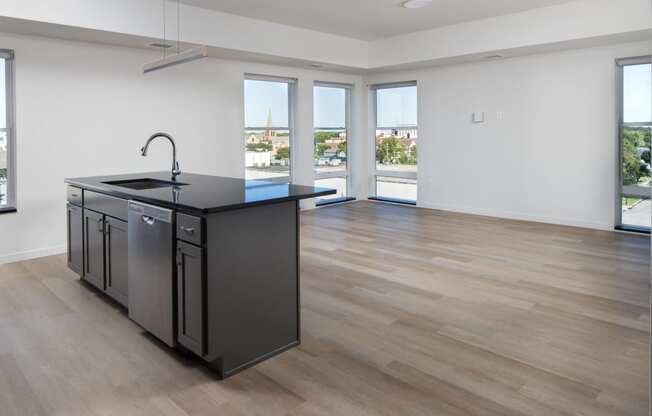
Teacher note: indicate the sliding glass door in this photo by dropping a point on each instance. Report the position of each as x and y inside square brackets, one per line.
[635, 128]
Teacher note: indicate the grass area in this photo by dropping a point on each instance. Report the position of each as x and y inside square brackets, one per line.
[629, 202]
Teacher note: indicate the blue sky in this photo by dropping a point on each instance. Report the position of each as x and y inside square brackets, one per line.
[260, 97]
[397, 107]
[330, 107]
[3, 113]
[637, 86]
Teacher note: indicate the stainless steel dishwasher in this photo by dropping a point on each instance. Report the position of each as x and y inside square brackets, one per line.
[151, 269]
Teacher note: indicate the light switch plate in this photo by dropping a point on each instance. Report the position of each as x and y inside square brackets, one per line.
[478, 117]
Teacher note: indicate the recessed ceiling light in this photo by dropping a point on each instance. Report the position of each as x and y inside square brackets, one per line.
[416, 4]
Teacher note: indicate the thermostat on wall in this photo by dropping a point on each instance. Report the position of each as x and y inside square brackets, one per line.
[478, 117]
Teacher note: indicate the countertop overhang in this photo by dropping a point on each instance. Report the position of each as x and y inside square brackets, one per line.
[202, 194]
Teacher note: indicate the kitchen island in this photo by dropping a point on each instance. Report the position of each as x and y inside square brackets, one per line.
[206, 264]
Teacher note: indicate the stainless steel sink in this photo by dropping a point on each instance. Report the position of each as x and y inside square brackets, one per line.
[145, 183]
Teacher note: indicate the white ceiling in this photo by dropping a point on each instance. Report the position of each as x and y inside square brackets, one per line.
[369, 19]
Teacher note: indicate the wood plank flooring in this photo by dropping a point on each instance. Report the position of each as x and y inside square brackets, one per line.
[405, 312]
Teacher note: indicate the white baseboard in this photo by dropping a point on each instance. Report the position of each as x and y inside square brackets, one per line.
[32, 254]
[521, 216]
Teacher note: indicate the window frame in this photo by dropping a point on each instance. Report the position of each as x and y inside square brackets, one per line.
[621, 125]
[10, 130]
[373, 127]
[292, 92]
[346, 173]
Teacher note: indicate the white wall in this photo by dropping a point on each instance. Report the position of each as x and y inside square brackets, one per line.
[551, 158]
[85, 109]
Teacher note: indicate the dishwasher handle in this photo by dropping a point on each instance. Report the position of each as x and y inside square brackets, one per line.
[148, 220]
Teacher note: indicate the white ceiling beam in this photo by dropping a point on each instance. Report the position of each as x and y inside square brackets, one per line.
[582, 23]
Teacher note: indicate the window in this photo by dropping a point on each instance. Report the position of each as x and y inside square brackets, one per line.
[331, 115]
[395, 142]
[635, 128]
[7, 166]
[268, 128]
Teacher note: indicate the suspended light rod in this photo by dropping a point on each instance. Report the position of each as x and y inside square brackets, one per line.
[180, 57]
[176, 59]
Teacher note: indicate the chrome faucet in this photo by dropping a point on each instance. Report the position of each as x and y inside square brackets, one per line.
[175, 165]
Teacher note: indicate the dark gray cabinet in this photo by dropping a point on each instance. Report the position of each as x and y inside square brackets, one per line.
[94, 248]
[191, 297]
[115, 256]
[75, 239]
[105, 251]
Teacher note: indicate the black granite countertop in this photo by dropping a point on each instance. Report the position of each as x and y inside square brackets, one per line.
[201, 193]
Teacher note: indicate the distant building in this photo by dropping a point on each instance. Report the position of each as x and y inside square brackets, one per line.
[253, 139]
[335, 140]
[258, 159]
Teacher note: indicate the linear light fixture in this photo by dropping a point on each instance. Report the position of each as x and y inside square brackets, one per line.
[178, 57]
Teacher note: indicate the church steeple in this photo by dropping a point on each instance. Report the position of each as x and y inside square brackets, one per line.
[269, 133]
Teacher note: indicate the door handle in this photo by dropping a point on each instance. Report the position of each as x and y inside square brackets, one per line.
[148, 220]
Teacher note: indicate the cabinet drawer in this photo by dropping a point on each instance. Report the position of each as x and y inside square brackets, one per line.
[109, 205]
[189, 229]
[75, 196]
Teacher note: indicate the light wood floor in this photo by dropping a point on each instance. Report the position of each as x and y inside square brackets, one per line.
[405, 312]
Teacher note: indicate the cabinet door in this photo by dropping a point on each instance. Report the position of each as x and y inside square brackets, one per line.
[75, 239]
[94, 248]
[190, 297]
[116, 252]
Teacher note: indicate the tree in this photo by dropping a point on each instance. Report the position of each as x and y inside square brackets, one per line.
[341, 147]
[320, 149]
[322, 136]
[634, 161]
[283, 153]
[631, 162]
[255, 147]
[390, 150]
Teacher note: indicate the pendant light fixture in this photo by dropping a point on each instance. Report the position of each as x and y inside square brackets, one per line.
[178, 57]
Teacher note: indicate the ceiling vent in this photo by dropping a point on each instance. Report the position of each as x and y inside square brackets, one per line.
[493, 57]
[160, 45]
[416, 4]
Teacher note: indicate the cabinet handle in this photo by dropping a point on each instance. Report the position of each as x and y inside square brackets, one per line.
[100, 225]
[189, 230]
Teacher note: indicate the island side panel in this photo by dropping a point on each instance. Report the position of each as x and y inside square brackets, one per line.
[252, 284]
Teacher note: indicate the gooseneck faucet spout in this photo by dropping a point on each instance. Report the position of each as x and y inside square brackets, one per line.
[175, 165]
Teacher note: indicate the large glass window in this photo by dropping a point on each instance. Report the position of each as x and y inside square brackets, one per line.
[635, 103]
[268, 128]
[395, 142]
[7, 168]
[331, 158]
